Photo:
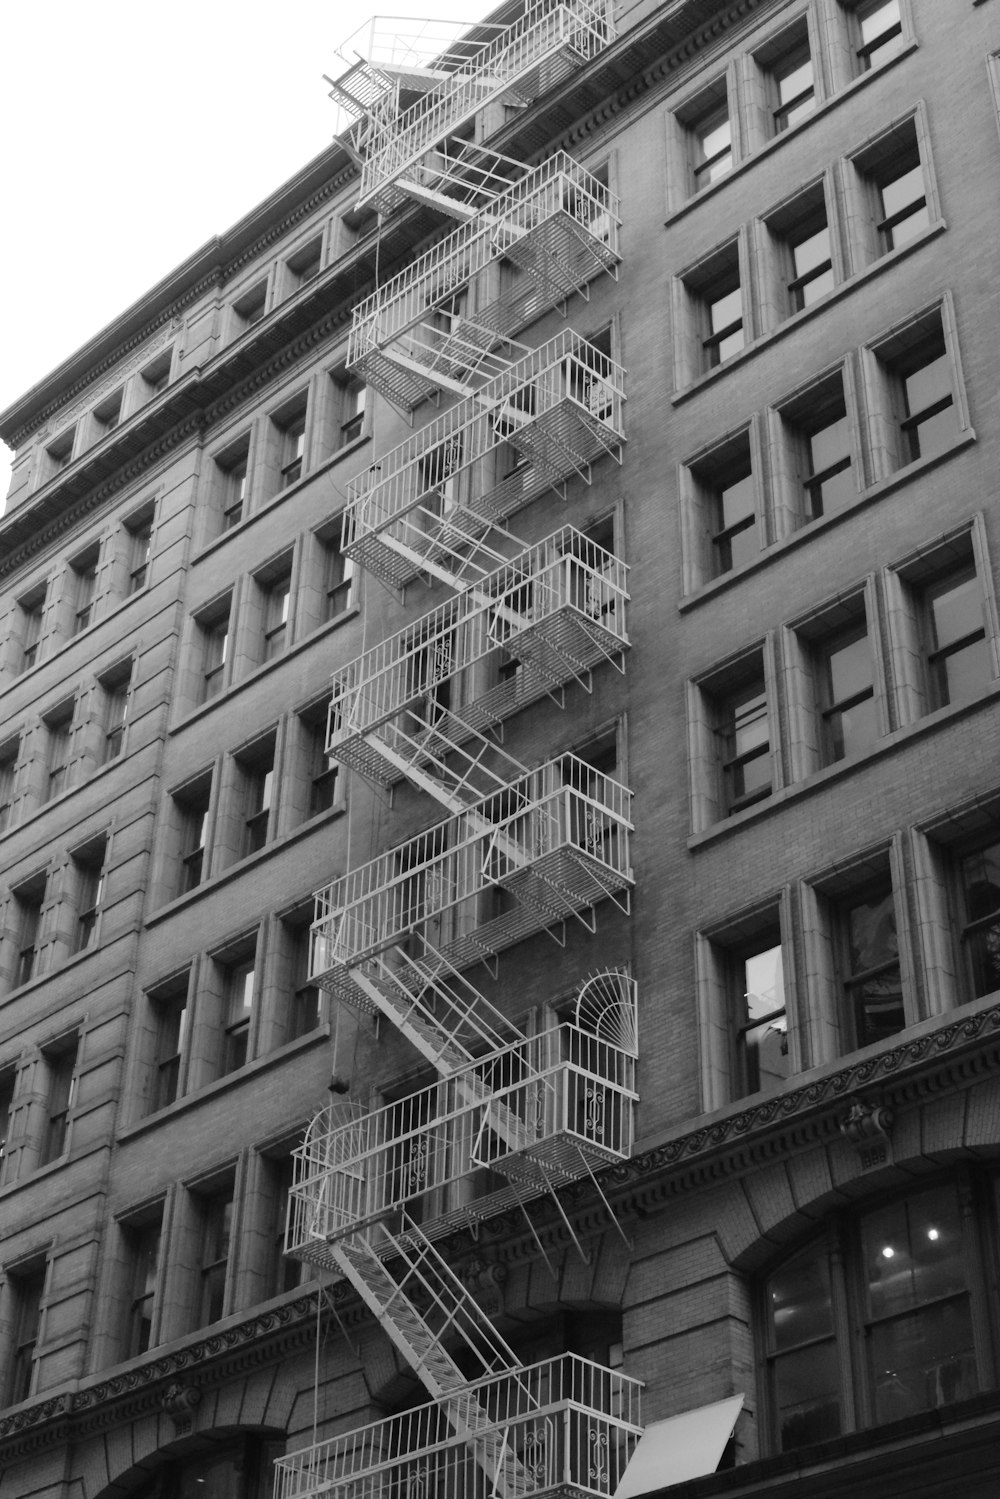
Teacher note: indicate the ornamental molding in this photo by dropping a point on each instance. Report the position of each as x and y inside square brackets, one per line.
[107, 371]
[120, 373]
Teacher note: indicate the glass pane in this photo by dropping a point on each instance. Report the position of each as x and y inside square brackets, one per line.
[816, 288]
[879, 19]
[956, 611]
[849, 669]
[764, 985]
[798, 111]
[981, 882]
[750, 723]
[714, 138]
[752, 775]
[736, 500]
[727, 309]
[833, 493]
[807, 1395]
[965, 672]
[744, 546]
[984, 953]
[799, 1301]
[878, 1006]
[795, 82]
[908, 228]
[923, 1360]
[934, 434]
[927, 385]
[871, 929]
[718, 169]
[765, 1056]
[904, 190]
[853, 730]
[913, 1251]
[730, 345]
[811, 252]
[829, 444]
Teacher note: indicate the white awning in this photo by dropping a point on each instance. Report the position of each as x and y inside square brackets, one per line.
[687, 1446]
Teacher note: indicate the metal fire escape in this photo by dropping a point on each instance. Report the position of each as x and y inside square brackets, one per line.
[520, 850]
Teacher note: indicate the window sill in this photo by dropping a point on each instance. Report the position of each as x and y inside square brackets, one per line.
[820, 779]
[234, 688]
[776, 549]
[276, 500]
[790, 324]
[754, 157]
[222, 1084]
[302, 830]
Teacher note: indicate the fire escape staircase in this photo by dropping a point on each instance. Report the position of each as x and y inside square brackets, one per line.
[412, 92]
[519, 850]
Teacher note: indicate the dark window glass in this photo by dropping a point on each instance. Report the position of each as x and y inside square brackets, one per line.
[873, 983]
[847, 695]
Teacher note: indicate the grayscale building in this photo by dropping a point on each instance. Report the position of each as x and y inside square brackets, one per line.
[500, 791]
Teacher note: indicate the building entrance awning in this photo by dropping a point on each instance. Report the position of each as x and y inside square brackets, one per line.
[681, 1447]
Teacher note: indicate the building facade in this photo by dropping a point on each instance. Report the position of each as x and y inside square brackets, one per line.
[499, 792]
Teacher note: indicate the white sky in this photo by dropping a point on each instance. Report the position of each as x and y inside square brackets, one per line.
[131, 133]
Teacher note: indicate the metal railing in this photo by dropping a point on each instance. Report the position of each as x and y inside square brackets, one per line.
[567, 571]
[564, 377]
[433, 1151]
[569, 1421]
[431, 883]
[559, 186]
[470, 73]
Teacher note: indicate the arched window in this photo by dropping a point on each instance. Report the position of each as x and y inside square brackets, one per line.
[883, 1317]
[242, 1469]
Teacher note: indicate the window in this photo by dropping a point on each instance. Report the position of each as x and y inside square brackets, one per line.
[800, 233]
[893, 172]
[10, 752]
[216, 1238]
[710, 318]
[305, 263]
[339, 570]
[761, 1029]
[293, 447]
[191, 805]
[744, 747]
[107, 415]
[233, 469]
[142, 1247]
[879, 31]
[274, 583]
[139, 529]
[28, 898]
[255, 786]
[733, 763]
[8, 1082]
[980, 886]
[25, 1288]
[346, 410]
[60, 1064]
[709, 131]
[212, 626]
[305, 998]
[941, 653]
[285, 1273]
[250, 308]
[31, 608]
[240, 984]
[59, 454]
[169, 1015]
[871, 979]
[725, 497]
[114, 686]
[913, 395]
[84, 573]
[847, 693]
[787, 68]
[58, 748]
[156, 376]
[958, 663]
[815, 472]
[321, 772]
[87, 864]
[909, 1275]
